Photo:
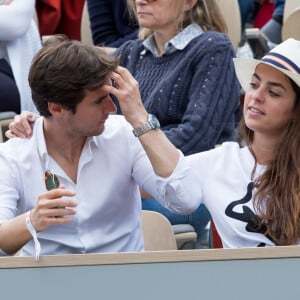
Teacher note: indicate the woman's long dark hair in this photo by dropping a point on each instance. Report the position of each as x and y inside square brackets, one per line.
[277, 200]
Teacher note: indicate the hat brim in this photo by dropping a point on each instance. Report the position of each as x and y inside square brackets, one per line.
[245, 68]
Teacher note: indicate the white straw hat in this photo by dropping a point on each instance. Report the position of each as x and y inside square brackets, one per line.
[285, 57]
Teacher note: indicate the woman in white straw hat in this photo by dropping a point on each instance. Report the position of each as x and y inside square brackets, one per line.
[253, 192]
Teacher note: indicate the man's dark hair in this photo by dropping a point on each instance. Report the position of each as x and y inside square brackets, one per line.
[63, 69]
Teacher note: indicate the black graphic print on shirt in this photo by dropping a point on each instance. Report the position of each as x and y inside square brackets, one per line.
[247, 215]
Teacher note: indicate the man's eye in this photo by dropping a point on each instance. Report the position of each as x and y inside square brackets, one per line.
[98, 101]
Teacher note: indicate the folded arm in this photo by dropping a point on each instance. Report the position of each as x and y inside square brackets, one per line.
[15, 18]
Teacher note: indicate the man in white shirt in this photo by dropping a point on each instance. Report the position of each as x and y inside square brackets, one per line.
[73, 187]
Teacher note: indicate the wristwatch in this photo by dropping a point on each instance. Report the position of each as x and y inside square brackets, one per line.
[151, 124]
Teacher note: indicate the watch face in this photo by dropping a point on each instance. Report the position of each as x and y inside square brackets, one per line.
[154, 122]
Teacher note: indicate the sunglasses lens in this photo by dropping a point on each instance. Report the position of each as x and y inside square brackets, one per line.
[51, 181]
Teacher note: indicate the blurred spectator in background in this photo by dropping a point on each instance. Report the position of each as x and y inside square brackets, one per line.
[110, 22]
[262, 12]
[246, 9]
[60, 16]
[265, 15]
[272, 29]
[19, 42]
[255, 12]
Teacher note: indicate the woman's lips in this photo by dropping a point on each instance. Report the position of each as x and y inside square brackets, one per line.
[255, 110]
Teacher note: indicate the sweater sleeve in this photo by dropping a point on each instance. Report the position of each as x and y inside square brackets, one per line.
[213, 109]
[15, 19]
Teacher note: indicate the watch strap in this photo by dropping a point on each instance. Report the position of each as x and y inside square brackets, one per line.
[151, 124]
[143, 129]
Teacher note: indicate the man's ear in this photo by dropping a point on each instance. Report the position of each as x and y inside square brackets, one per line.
[55, 108]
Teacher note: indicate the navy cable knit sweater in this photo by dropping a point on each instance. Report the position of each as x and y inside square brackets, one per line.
[193, 92]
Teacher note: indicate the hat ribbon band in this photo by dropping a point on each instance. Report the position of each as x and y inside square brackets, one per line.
[281, 62]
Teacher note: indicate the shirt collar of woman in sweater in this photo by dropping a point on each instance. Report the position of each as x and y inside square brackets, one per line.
[178, 42]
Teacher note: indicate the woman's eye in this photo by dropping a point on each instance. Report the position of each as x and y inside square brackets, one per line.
[253, 85]
[274, 94]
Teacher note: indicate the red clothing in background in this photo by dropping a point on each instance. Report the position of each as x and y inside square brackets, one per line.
[264, 14]
[60, 16]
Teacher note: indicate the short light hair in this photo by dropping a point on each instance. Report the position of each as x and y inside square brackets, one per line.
[205, 13]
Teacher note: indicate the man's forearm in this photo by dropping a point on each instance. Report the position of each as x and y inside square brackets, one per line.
[14, 234]
[161, 152]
